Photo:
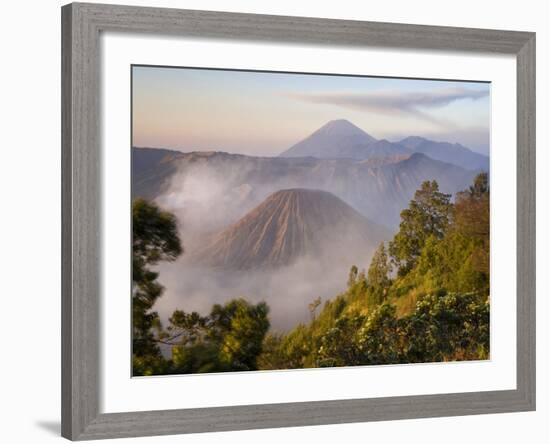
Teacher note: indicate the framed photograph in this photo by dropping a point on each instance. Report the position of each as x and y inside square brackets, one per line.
[281, 221]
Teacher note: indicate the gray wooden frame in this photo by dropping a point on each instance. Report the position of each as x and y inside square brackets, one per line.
[81, 26]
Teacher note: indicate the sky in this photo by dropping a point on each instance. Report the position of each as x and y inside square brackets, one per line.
[263, 114]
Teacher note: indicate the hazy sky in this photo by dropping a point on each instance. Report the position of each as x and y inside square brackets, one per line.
[265, 113]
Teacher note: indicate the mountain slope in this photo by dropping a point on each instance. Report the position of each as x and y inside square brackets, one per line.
[447, 152]
[291, 224]
[336, 139]
[383, 148]
[149, 168]
[222, 183]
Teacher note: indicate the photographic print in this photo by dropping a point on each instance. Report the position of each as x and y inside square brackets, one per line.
[288, 220]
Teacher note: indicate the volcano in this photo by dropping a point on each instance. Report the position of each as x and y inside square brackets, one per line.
[335, 140]
[292, 224]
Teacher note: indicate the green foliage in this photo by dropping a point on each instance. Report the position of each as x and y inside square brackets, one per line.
[356, 293]
[379, 338]
[352, 277]
[443, 327]
[378, 276]
[154, 239]
[240, 329]
[273, 356]
[312, 307]
[428, 215]
[480, 188]
[450, 264]
[436, 309]
[459, 261]
[338, 346]
[446, 327]
[294, 350]
[229, 339]
[472, 221]
[149, 364]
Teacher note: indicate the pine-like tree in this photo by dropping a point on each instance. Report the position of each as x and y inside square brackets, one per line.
[429, 214]
[378, 276]
[154, 239]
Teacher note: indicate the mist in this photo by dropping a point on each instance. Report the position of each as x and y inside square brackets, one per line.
[205, 201]
[287, 290]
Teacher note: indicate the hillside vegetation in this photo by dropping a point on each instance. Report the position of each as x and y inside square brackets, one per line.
[423, 298]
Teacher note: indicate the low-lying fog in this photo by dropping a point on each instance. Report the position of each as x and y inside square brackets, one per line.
[205, 202]
[287, 291]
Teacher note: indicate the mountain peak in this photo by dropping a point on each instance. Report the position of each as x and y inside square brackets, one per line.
[335, 139]
[299, 192]
[416, 157]
[341, 127]
[290, 224]
[413, 142]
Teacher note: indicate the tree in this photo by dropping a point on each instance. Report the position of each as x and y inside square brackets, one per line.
[312, 307]
[357, 282]
[154, 239]
[472, 215]
[240, 328]
[295, 349]
[480, 188]
[273, 356]
[339, 346]
[428, 215]
[447, 327]
[378, 276]
[379, 339]
[352, 277]
[229, 339]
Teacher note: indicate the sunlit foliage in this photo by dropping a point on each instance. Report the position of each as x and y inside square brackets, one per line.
[434, 308]
[428, 215]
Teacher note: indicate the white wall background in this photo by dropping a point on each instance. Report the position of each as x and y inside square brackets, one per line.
[30, 221]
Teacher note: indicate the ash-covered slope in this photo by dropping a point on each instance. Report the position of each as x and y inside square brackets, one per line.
[289, 225]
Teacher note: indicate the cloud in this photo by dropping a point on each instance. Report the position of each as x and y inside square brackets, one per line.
[389, 101]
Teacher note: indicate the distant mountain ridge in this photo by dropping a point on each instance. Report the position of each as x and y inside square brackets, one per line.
[340, 139]
[447, 152]
[150, 167]
[291, 224]
[378, 189]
